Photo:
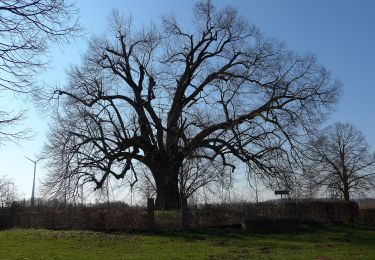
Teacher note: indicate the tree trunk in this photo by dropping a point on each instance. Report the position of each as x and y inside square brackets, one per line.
[345, 183]
[346, 193]
[167, 194]
[166, 180]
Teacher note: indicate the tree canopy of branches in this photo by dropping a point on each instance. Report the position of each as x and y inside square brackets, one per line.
[26, 29]
[341, 158]
[219, 92]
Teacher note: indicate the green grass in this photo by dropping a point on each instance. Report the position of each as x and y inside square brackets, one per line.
[314, 242]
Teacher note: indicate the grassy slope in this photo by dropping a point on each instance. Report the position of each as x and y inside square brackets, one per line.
[323, 242]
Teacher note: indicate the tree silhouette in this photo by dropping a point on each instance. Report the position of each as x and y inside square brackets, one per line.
[7, 191]
[342, 160]
[219, 92]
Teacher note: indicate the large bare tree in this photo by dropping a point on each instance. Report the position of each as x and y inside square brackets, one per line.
[342, 161]
[219, 91]
[26, 29]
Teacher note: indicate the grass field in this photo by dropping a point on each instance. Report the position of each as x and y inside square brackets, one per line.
[314, 242]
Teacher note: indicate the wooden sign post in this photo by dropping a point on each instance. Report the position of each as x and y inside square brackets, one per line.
[281, 192]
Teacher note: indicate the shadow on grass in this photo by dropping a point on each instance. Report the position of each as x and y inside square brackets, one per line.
[356, 234]
[233, 232]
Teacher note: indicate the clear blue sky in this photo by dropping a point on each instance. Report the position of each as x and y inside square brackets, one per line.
[339, 32]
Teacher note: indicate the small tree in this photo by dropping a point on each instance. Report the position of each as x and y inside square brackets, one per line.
[342, 160]
[7, 191]
[308, 183]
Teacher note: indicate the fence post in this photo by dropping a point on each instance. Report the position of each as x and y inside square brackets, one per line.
[151, 213]
[184, 214]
